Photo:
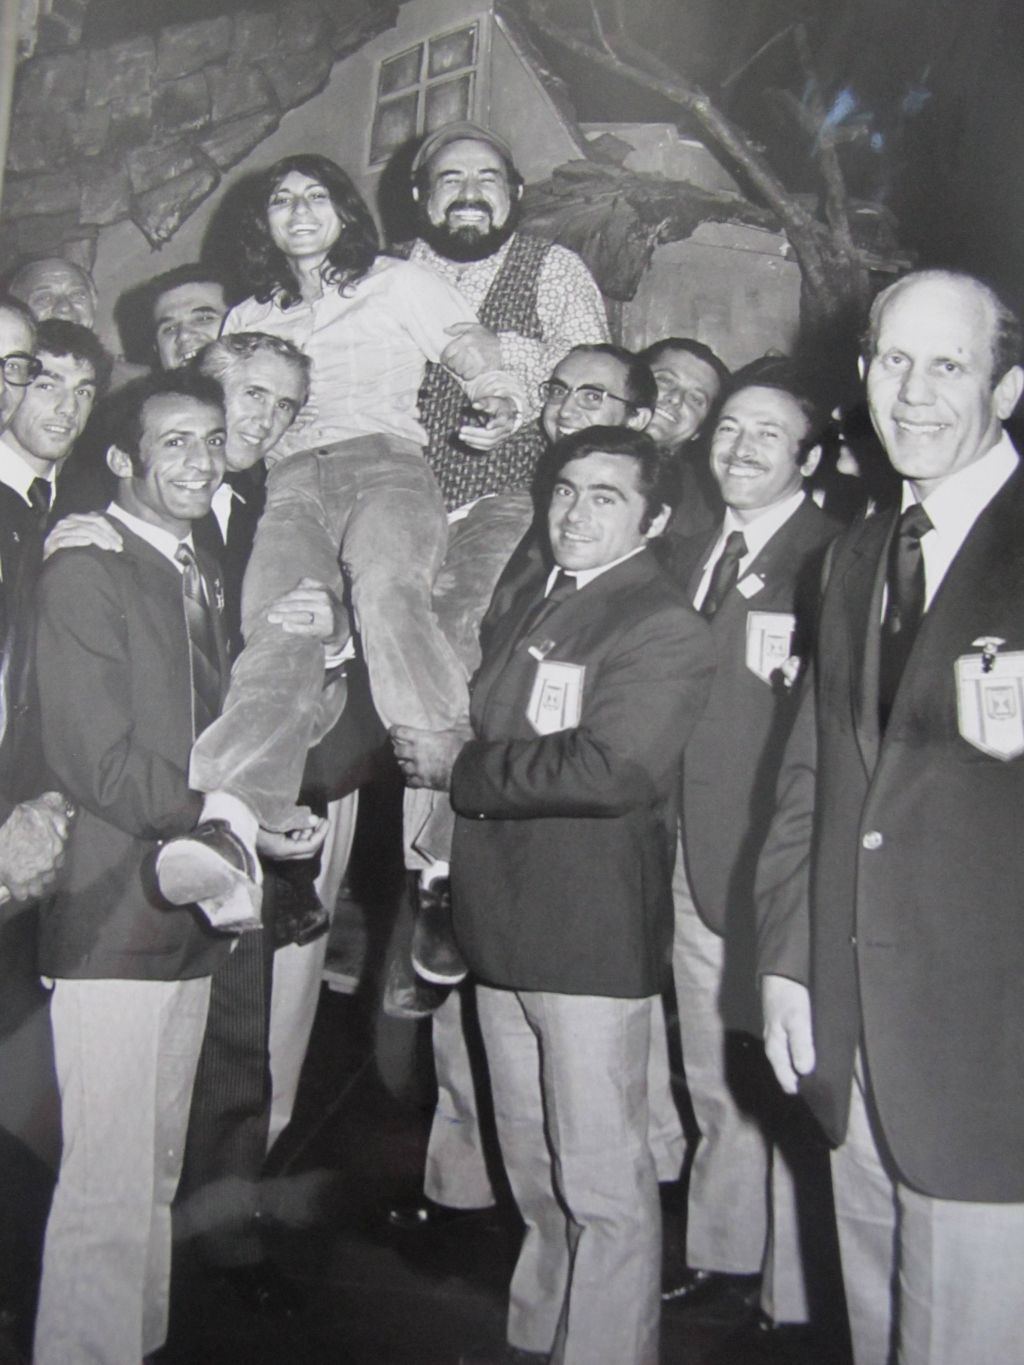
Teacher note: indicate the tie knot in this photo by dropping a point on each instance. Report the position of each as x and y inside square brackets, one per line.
[185, 557]
[735, 545]
[914, 522]
[564, 586]
[39, 494]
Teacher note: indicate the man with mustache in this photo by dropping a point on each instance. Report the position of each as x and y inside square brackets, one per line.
[539, 301]
[754, 576]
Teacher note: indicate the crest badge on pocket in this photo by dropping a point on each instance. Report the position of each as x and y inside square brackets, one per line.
[556, 701]
[990, 702]
[769, 641]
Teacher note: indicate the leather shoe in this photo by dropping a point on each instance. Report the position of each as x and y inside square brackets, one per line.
[406, 996]
[263, 1289]
[713, 1294]
[213, 869]
[503, 1355]
[434, 952]
[423, 1215]
[296, 914]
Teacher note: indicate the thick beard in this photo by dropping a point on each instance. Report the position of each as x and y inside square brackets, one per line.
[466, 244]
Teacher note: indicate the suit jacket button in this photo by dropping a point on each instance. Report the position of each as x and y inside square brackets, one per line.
[872, 840]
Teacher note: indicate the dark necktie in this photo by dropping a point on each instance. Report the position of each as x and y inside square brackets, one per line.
[725, 573]
[904, 604]
[40, 491]
[564, 586]
[206, 679]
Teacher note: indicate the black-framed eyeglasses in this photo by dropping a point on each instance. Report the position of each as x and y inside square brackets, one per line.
[589, 396]
[20, 368]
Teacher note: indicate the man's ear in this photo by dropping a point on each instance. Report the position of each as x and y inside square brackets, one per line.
[119, 462]
[415, 194]
[659, 523]
[810, 462]
[519, 190]
[862, 369]
[639, 418]
[1007, 392]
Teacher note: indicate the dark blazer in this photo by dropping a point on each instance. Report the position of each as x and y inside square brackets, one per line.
[116, 703]
[21, 537]
[562, 855]
[892, 879]
[733, 756]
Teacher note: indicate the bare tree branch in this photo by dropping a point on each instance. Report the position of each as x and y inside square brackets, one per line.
[837, 203]
[595, 15]
[734, 76]
[832, 269]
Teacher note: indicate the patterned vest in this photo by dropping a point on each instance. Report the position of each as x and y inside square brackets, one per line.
[463, 474]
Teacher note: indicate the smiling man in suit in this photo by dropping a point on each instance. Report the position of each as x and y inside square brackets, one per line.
[588, 689]
[890, 886]
[130, 664]
[755, 578]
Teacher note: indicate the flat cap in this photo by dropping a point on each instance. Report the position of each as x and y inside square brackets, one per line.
[460, 131]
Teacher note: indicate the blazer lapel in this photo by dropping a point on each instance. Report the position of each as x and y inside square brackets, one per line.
[569, 616]
[985, 573]
[863, 584]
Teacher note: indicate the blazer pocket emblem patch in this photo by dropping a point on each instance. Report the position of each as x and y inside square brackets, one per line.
[769, 641]
[990, 702]
[556, 702]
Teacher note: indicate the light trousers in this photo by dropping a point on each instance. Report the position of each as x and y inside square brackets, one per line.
[928, 1281]
[456, 1169]
[741, 1212]
[569, 1078]
[126, 1056]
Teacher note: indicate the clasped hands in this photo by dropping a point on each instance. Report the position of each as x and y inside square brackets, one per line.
[32, 843]
[474, 357]
[427, 757]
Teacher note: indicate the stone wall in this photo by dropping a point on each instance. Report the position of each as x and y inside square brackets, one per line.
[144, 129]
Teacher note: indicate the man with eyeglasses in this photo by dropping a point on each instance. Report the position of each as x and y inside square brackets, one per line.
[600, 385]
[34, 829]
[33, 833]
[592, 385]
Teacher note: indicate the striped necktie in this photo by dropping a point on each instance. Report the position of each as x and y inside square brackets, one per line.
[202, 641]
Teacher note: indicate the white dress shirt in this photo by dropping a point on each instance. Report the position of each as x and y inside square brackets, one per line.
[757, 533]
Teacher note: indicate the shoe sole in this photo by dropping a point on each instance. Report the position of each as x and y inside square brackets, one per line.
[436, 978]
[189, 873]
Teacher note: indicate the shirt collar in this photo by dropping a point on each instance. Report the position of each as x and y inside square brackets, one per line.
[17, 475]
[162, 541]
[956, 504]
[585, 576]
[758, 533]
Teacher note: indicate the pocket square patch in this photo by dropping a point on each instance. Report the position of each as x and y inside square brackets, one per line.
[556, 701]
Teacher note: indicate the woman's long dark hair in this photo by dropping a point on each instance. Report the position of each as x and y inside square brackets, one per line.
[265, 268]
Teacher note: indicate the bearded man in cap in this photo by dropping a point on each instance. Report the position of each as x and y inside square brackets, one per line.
[538, 301]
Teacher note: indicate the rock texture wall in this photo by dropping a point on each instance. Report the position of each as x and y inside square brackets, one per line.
[144, 129]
